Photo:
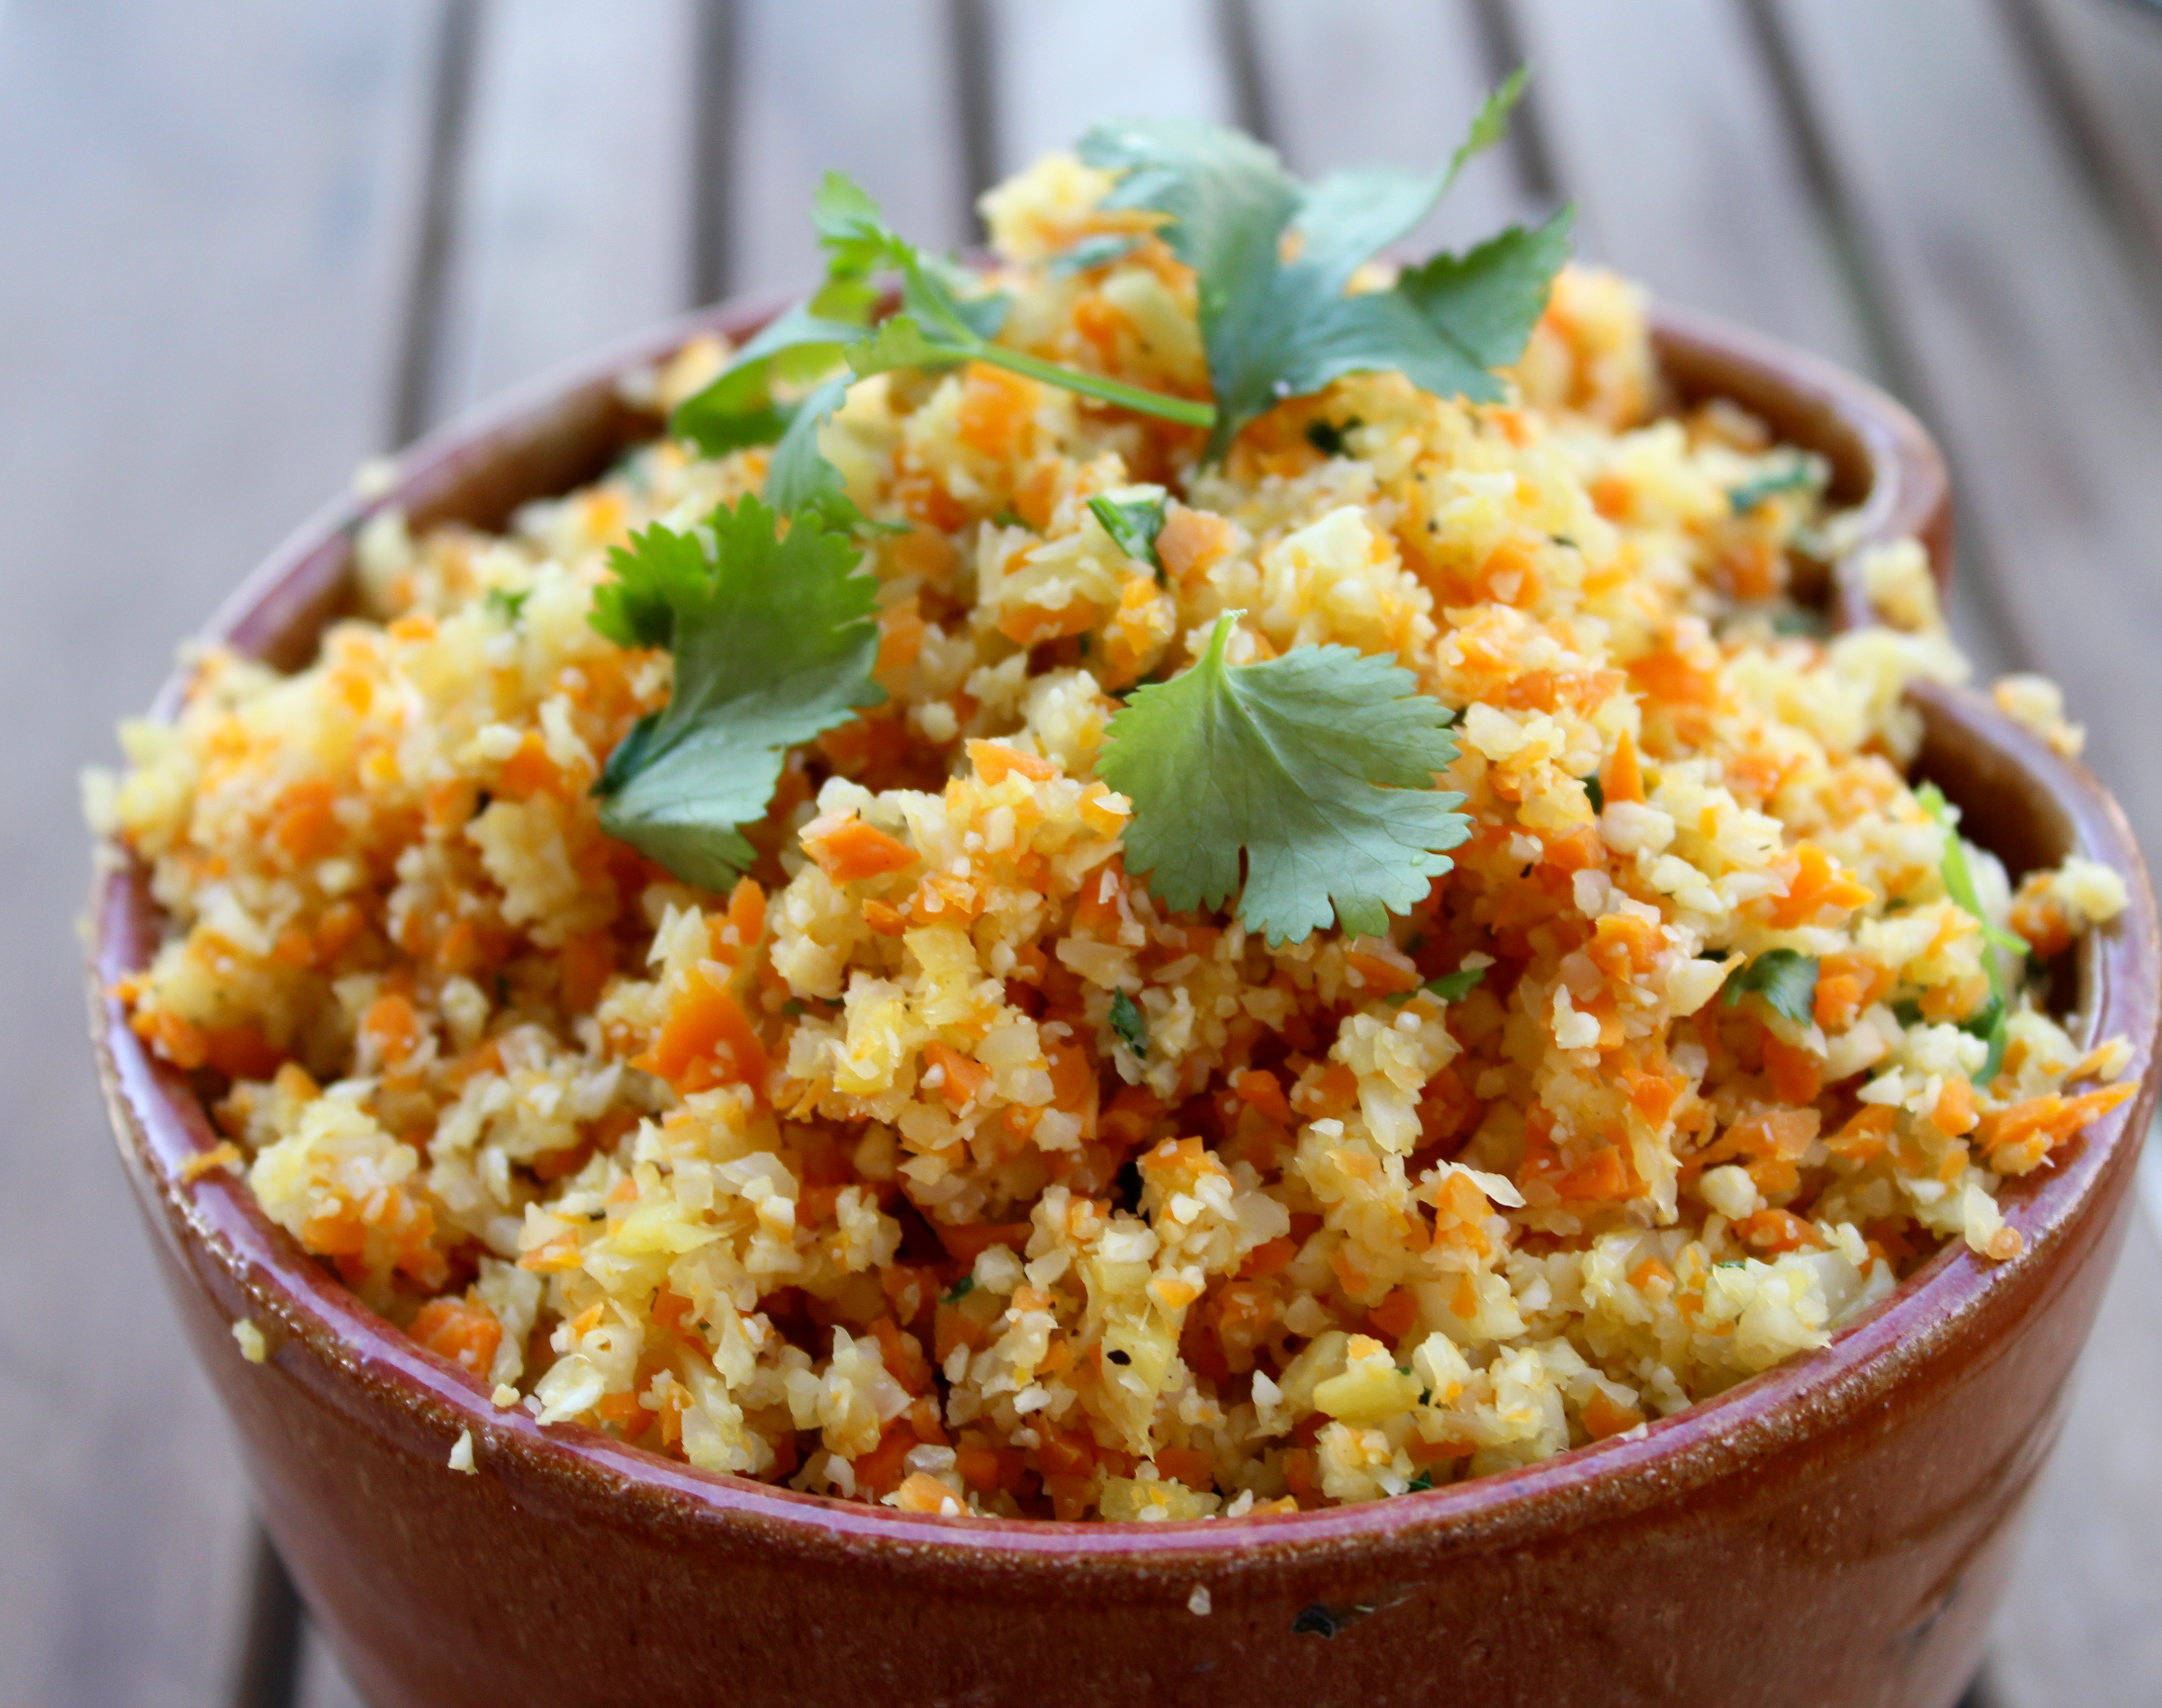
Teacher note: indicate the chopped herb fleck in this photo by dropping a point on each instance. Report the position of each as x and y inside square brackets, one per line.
[1328, 436]
[510, 606]
[1801, 474]
[1595, 791]
[1786, 980]
[962, 1288]
[1130, 1024]
[1133, 524]
[1994, 1021]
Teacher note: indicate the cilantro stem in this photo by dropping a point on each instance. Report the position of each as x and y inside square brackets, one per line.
[1186, 411]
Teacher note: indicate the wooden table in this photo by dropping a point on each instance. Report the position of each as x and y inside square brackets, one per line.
[242, 247]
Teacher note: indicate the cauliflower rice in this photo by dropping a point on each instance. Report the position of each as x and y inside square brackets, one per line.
[847, 1181]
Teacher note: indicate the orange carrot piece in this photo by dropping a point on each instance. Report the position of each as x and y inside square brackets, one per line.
[1602, 1177]
[1395, 1316]
[1603, 1417]
[1264, 1091]
[1796, 1075]
[1625, 778]
[1381, 978]
[993, 762]
[968, 1243]
[965, 1080]
[706, 1041]
[464, 1331]
[853, 850]
[1190, 1466]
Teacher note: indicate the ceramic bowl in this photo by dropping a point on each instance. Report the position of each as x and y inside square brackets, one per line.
[1836, 1530]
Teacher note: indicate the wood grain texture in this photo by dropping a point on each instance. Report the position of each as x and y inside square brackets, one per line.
[868, 87]
[1057, 66]
[1664, 125]
[2108, 57]
[2081, 1626]
[202, 254]
[2033, 352]
[1394, 82]
[2031, 340]
[323, 1683]
[574, 222]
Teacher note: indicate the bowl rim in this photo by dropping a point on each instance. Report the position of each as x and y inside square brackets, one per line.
[213, 1220]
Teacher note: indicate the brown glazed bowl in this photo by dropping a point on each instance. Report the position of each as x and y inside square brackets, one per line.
[1836, 1530]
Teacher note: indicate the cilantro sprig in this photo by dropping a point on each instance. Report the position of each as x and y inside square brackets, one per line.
[1992, 1025]
[1317, 768]
[774, 639]
[944, 318]
[1274, 258]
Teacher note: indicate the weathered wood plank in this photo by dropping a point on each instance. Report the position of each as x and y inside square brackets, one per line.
[2107, 57]
[2081, 1626]
[574, 227]
[1057, 66]
[2031, 346]
[323, 1683]
[2029, 341]
[1397, 82]
[868, 87]
[1664, 123]
[202, 260]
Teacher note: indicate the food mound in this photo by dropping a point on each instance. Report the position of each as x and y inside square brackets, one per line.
[975, 930]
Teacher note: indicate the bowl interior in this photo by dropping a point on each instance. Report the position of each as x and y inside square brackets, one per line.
[2022, 801]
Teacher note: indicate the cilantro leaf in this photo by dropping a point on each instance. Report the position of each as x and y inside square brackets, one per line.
[502, 603]
[1349, 215]
[1130, 1024]
[1091, 253]
[1318, 767]
[739, 406]
[1274, 328]
[1786, 980]
[774, 641]
[1800, 474]
[663, 572]
[1133, 524]
[1485, 303]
